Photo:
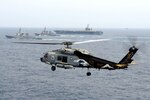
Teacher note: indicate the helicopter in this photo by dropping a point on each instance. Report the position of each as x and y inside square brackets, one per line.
[70, 58]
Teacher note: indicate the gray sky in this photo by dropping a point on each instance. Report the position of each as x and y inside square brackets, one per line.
[75, 13]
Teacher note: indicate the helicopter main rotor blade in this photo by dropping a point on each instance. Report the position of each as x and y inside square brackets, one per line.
[90, 41]
[63, 43]
[39, 43]
[133, 40]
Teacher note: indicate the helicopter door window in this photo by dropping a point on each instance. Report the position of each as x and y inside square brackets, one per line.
[64, 59]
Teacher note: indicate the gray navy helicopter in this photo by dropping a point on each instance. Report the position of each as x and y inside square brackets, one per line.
[69, 58]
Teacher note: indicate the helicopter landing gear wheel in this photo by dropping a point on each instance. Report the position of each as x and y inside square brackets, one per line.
[53, 68]
[88, 73]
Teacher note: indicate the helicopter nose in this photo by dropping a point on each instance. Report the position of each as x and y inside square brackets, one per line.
[41, 59]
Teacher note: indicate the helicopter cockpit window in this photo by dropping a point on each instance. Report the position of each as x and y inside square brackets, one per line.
[46, 55]
[59, 58]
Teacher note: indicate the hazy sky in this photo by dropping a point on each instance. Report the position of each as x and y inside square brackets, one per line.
[75, 13]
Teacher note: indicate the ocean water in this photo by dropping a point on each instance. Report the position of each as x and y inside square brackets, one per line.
[24, 77]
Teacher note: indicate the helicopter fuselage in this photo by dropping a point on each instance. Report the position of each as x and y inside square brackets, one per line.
[64, 58]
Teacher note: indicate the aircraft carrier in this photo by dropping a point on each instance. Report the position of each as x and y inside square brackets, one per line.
[86, 31]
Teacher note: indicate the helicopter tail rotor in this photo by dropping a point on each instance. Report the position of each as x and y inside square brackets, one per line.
[138, 43]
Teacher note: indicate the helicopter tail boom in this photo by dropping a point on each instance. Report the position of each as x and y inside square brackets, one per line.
[99, 62]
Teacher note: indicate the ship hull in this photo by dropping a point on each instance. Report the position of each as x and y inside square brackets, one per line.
[22, 37]
[9, 37]
[69, 32]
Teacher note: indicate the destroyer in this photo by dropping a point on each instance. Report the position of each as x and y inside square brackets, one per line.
[46, 33]
[20, 35]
